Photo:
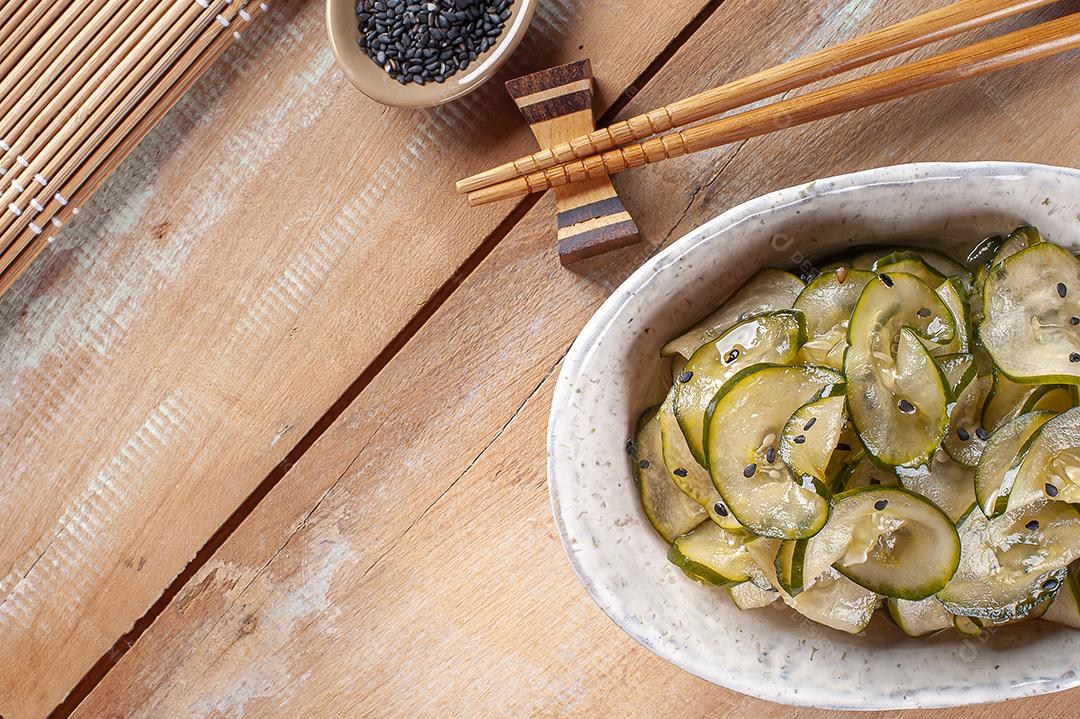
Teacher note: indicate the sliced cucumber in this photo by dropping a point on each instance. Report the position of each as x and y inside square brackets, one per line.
[897, 396]
[766, 291]
[956, 298]
[684, 470]
[968, 626]
[866, 259]
[833, 600]
[947, 483]
[827, 303]
[789, 565]
[713, 555]
[1051, 465]
[1012, 563]
[742, 427]
[959, 370]
[772, 337]
[750, 596]
[946, 266]
[1001, 459]
[917, 619]
[1005, 401]
[966, 438]
[1030, 301]
[670, 511]
[891, 541]
[810, 436]
[1065, 608]
[911, 263]
[864, 473]
[1052, 398]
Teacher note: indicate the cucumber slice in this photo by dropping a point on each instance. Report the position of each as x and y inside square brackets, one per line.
[750, 596]
[917, 619]
[968, 626]
[827, 303]
[742, 427]
[773, 337]
[1005, 401]
[966, 438]
[670, 511]
[810, 436]
[1029, 301]
[684, 470]
[865, 473]
[1065, 608]
[1051, 466]
[947, 266]
[956, 298]
[713, 555]
[959, 370]
[834, 600]
[866, 259]
[1052, 398]
[891, 541]
[897, 397]
[1012, 563]
[789, 565]
[947, 483]
[1001, 459]
[911, 263]
[766, 291]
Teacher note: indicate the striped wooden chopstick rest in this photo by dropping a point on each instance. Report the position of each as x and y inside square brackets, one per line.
[558, 105]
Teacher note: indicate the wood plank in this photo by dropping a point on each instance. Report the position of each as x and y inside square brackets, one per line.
[223, 290]
[408, 564]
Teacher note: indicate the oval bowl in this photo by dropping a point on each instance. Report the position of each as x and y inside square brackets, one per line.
[613, 372]
[372, 80]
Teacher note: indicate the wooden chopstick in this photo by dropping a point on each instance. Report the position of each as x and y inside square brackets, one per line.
[1040, 41]
[921, 30]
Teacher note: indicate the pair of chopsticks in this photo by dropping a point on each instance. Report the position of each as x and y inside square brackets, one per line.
[614, 149]
[81, 81]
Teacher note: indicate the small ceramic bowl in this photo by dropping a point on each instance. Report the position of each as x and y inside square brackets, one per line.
[611, 375]
[373, 81]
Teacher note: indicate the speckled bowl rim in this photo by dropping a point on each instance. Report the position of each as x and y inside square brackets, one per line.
[897, 175]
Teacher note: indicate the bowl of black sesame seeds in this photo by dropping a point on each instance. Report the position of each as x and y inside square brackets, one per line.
[422, 53]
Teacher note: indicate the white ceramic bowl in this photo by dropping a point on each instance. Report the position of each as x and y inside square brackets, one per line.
[612, 374]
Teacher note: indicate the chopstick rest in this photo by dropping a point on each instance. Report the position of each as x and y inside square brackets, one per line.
[558, 105]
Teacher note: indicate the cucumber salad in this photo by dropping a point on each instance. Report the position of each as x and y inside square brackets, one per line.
[900, 432]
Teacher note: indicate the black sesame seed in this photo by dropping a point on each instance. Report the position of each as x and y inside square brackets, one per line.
[1074, 321]
[750, 470]
[924, 312]
[1051, 584]
[1074, 357]
[631, 448]
[686, 377]
[887, 280]
[962, 434]
[1062, 290]
[799, 439]
[906, 407]
[720, 509]
[1033, 525]
[1051, 490]
[982, 434]
[644, 464]
[808, 425]
[843, 447]
[881, 504]
[770, 455]
[731, 356]
[680, 472]
[875, 481]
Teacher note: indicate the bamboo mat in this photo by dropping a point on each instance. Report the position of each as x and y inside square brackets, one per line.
[81, 83]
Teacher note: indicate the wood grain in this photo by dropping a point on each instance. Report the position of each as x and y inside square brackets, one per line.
[407, 565]
[169, 349]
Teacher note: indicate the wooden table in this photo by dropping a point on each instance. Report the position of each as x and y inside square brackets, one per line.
[273, 408]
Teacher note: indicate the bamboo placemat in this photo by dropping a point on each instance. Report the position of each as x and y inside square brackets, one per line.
[82, 82]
